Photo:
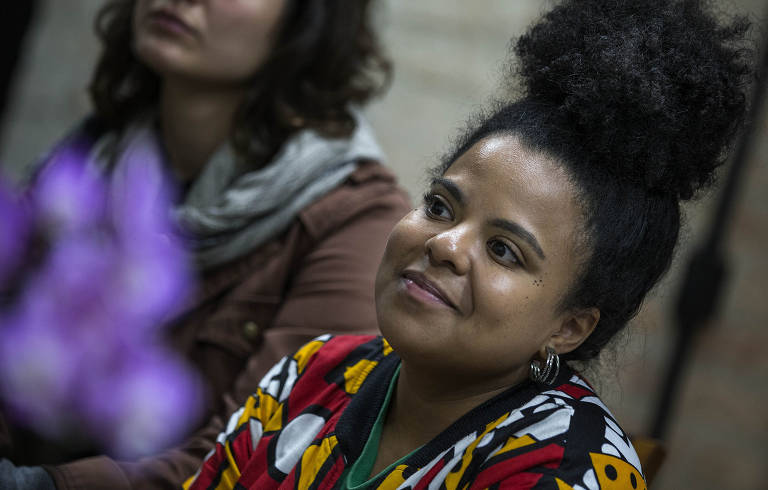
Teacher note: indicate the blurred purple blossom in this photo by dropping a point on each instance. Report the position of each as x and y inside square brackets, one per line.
[80, 331]
[147, 394]
[68, 194]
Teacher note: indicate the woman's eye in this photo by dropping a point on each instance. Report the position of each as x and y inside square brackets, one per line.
[436, 207]
[502, 252]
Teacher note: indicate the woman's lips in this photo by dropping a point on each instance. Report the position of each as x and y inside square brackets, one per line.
[170, 22]
[422, 288]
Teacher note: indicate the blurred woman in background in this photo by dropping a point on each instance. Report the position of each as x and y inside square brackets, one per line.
[252, 108]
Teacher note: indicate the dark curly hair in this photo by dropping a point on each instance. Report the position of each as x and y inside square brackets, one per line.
[326, 57]
[639, 100]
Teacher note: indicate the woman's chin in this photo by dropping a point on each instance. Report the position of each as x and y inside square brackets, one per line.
[164, 58]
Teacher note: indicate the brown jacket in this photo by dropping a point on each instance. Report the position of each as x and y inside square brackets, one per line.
[315, 278]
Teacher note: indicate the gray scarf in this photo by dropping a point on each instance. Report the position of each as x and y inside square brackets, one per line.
[229, 213]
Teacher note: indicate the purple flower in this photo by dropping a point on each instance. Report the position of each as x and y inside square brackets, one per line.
[153, 284]
[141, 202]
[152, 394]
[38, 369]
[69, 194]
[79, 341]
[159, 258]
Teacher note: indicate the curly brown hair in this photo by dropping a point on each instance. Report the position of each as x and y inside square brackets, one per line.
[327, 56]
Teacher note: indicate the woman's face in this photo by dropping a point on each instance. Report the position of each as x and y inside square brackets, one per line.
[209, 41]
[470, 283]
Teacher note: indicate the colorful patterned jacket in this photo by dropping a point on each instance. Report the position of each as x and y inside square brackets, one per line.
[313, 412]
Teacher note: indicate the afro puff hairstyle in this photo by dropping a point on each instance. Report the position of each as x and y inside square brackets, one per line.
[639, 100]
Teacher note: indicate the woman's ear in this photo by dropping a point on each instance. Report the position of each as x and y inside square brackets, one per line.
[576, 327]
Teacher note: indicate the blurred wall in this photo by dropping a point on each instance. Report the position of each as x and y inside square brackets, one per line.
[49, 94]
[449, 55]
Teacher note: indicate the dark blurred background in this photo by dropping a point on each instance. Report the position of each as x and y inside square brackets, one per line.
[449, 57]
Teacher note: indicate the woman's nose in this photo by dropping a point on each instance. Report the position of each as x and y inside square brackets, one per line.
[451, 248]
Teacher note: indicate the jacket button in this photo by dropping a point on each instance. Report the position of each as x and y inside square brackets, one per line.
[251, 330]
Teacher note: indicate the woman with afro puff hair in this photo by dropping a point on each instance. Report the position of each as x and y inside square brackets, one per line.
[253, 107]
[540, 235]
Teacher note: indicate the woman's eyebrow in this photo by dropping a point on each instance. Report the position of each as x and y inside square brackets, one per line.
[504, 224]
[518, 230]
[452, 188]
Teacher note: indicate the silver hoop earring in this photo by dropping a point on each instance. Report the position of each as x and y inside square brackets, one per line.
[548, 374]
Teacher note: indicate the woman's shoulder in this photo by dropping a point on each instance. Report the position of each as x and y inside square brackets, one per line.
[333, 352]
[370, 188]
[596, 450]
[326, 368]
[329, 352]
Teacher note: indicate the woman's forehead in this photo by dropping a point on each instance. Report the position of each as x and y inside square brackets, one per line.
[504, 166]
[500, 178]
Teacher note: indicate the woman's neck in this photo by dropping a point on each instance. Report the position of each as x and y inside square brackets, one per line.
[194, 121]
[423, 406]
